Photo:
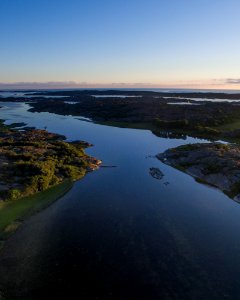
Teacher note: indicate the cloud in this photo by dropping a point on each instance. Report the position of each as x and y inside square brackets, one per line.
[69, 85]
[220, 83]
[232, 81]
[38, 85]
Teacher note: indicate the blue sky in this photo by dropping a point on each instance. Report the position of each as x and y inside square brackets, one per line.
[161, 43]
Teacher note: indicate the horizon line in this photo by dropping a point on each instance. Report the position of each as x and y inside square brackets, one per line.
[213, 84]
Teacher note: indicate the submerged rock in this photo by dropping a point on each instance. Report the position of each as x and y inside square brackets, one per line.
[156, 173]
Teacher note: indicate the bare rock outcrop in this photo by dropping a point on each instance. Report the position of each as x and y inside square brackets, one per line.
[215, 164]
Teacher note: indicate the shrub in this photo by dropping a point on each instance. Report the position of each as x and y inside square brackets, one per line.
[176, 124]
[13, 194]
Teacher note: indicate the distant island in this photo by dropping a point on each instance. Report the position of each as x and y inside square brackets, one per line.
[157, 111]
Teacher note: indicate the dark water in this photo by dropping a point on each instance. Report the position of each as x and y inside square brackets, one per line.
[120, 233]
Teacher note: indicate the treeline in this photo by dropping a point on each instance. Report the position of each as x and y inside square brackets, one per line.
[186, 125]
[31, 167]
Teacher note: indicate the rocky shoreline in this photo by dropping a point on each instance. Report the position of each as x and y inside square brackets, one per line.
[214, 164]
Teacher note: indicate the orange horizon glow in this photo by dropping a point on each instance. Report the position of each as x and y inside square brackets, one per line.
[204, 84]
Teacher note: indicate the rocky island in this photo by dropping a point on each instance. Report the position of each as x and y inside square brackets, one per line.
[34, 162]
[209, 115]
[214, 164]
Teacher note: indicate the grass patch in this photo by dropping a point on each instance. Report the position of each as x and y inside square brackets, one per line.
[230, 126]
[234, 191]
[131, 125]
[181, 167]
[12, 213]
[187, 147]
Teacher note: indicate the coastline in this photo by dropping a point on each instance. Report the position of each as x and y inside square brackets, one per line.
[212, 164]
[37, 168]
[107, 210]
[158, 112]
[13, 213]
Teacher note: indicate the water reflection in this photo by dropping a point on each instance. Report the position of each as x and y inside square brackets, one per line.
[120, 233]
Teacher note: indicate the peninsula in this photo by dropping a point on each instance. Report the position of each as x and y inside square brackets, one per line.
[36, 164]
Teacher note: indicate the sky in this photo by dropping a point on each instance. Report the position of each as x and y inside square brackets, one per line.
[118, 43]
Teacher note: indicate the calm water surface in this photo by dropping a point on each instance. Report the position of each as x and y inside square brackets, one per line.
[26, 95]
[120, 233]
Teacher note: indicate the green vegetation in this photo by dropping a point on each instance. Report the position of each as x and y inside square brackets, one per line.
[202, 181]
[224, 147]
[133, 125]
[36, 168]
[206, 130]
[229, 132]
[180, 167]
[234, 191]
[187, 147]
[209, 120]
[229, 126]
[13, 212]
[32, 162]
[169, 124]
[3, 127]
[188, 127]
